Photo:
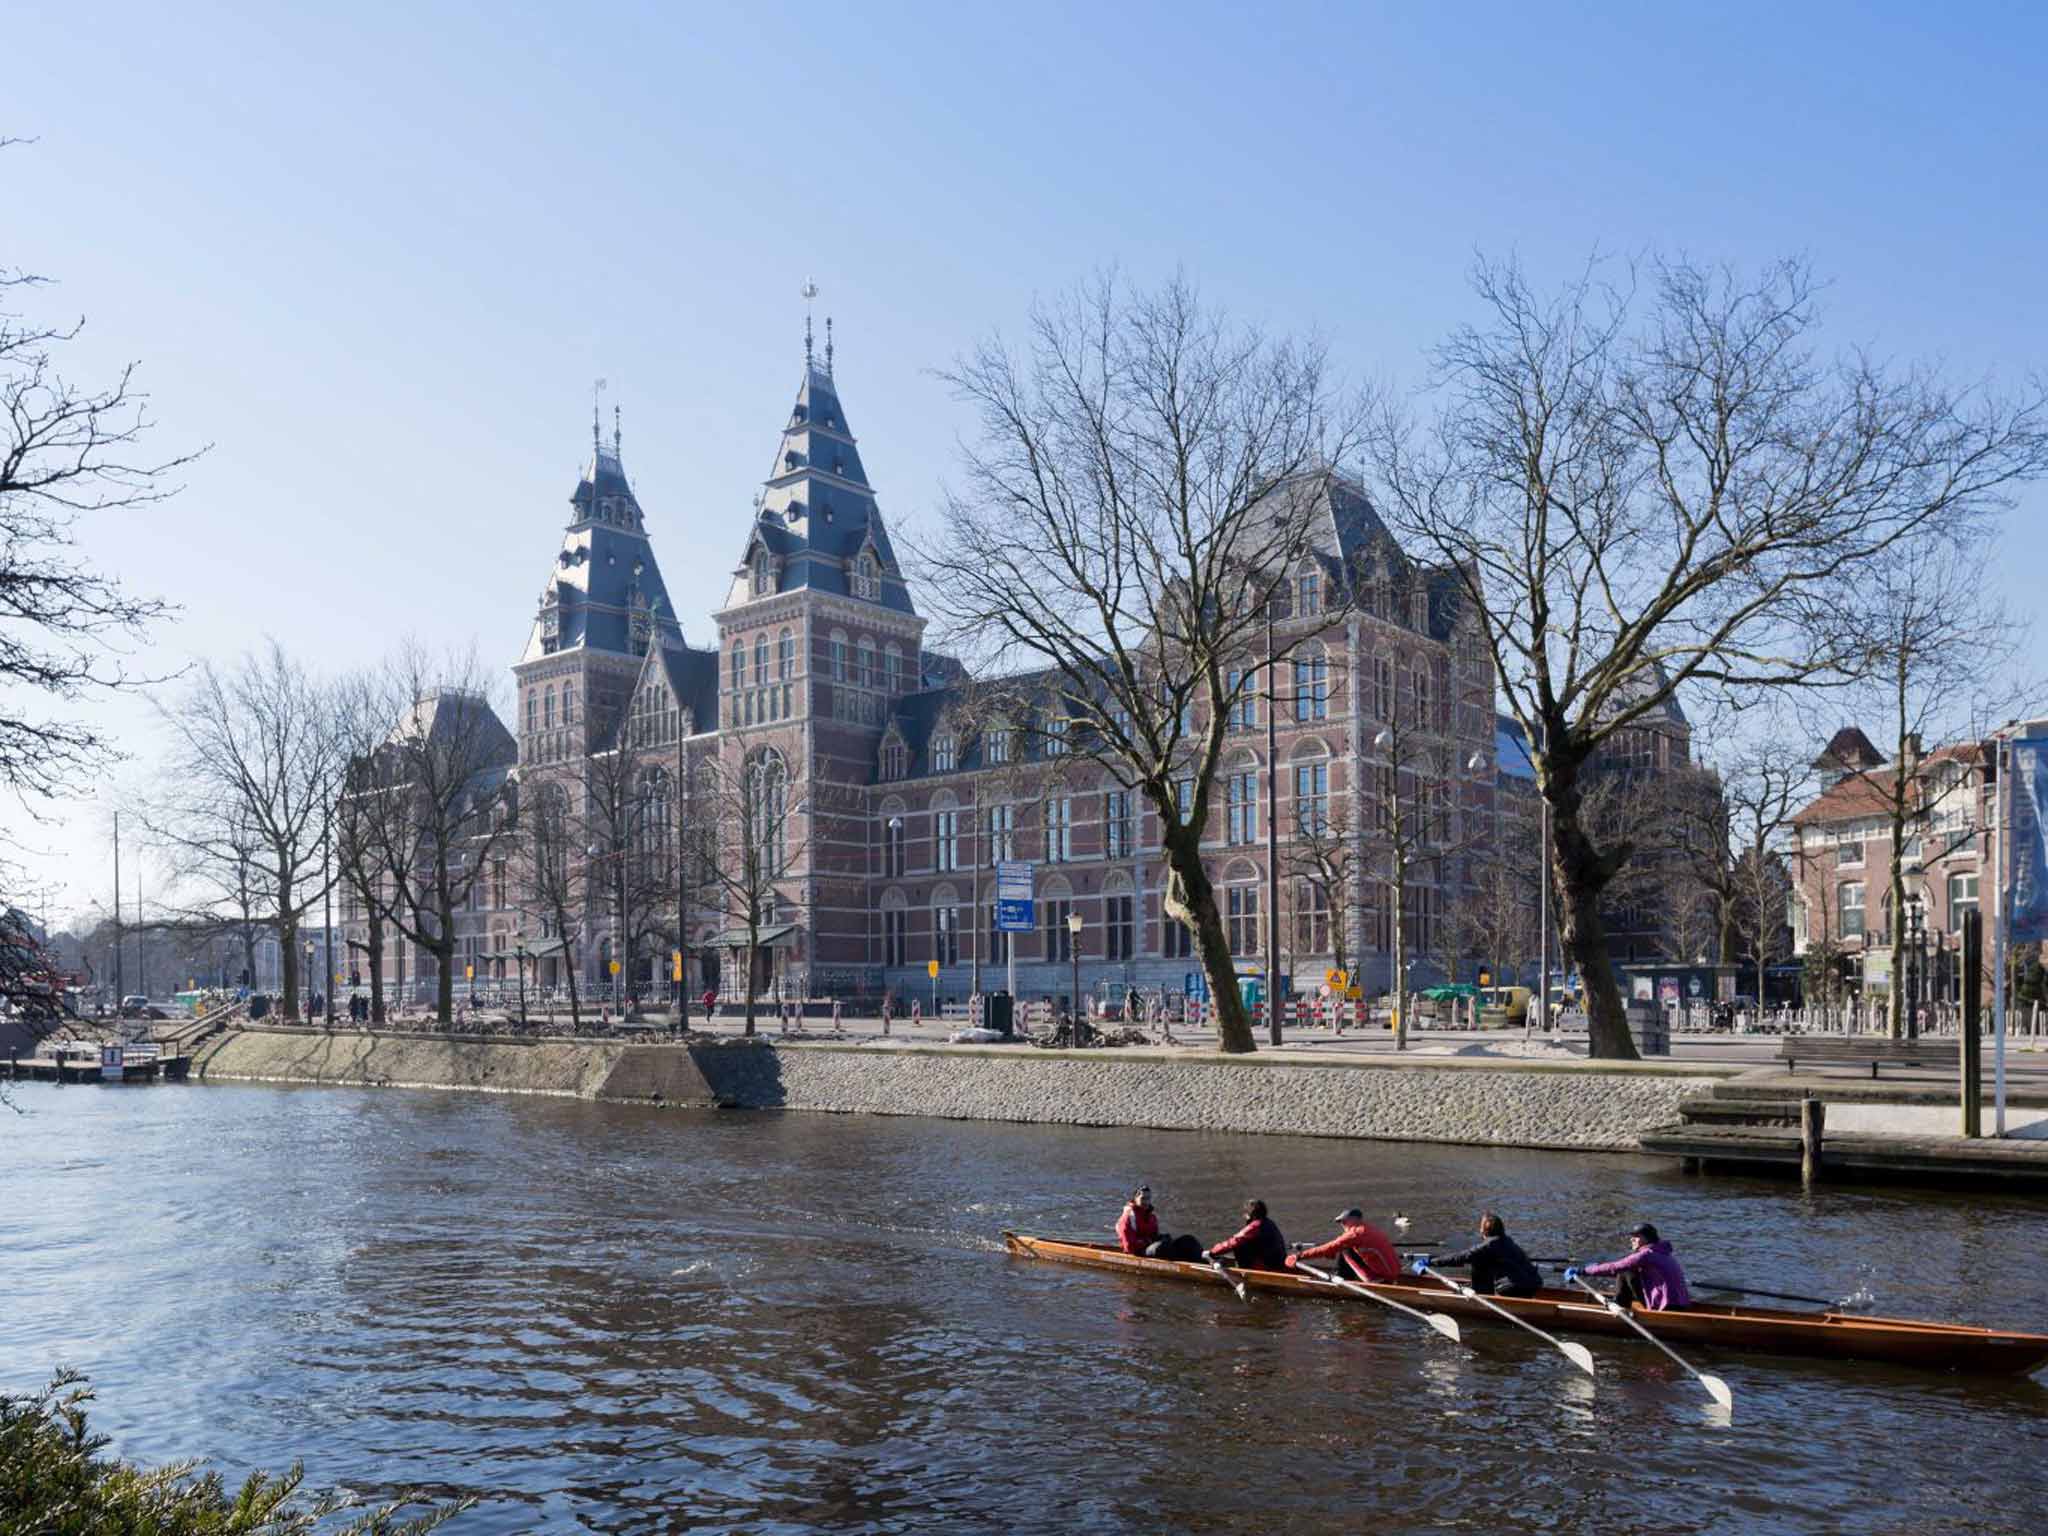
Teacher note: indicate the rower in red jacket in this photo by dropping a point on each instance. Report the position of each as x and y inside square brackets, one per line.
[1257, 1244]
[1138, 1227]
[1363, 1248]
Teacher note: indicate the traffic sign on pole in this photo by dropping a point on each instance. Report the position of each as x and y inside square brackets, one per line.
[1015, 911]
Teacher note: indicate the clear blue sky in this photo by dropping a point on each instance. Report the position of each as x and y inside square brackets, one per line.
[376, 256]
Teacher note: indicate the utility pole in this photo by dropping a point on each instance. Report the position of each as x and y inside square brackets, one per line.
[120, 989]
[1272, 835]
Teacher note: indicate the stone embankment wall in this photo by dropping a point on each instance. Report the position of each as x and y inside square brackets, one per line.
[1498, 1104]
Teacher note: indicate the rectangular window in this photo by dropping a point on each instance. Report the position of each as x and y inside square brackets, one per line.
[946, 934]
[1308, 593]
[942, 755]
[1241, 793]
[1118, 929]
[1055, 735]
[1241, 913]
[1059, 944]
[1176, 940]
[1117, 842]
[892, 848]
[1059, 829]
[1382, 687]
[996, 747]
[1244, 711]
[1849, 854]
[1849, 903]
[1383, 797]
[1311, 799]
[1422, 693]
[498, 884]
[1312, 689]
[1002, 832]
[945, 840]
[1183, 799]
[895, 936]
[1311, 918]
[1962, 897]
[838, 656]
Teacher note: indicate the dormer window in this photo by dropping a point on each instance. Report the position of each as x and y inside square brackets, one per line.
[892, 759]
[867, 576]
[792, 459]
[944, 754]
[764, 576]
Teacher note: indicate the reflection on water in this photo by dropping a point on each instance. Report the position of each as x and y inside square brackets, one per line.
[614, 1319]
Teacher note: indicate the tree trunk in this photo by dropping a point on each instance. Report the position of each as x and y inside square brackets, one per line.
[1191, 899]
[569, 969]
[444, 983]
[373, 954]
[288, 965]
[1397, 983]
[753, 948]
[1583, 873]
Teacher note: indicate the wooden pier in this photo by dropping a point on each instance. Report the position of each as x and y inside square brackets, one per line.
[79, 1068]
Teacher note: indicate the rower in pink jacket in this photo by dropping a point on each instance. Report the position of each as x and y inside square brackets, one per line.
[1649, 1275]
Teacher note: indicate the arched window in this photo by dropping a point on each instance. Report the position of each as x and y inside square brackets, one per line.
[867, 576]
[868, 676]
[892, 668]
[945, 832]
[651, 822]
[1311, 790]
[1241, 908]
[893, 830]
[1311, 683]
[893, 758]
[547, 708]
[764, 574]
[761, 660]
[739, 664]
[785, 656]
[836, 654]
[568, 703]
[895, 929]
[767, 792]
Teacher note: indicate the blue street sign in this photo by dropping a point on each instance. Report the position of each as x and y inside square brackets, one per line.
[1015, 916]
[1195, 985]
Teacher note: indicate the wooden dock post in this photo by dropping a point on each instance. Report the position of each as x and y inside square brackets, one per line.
[1813, 1116]
[1970, 1049]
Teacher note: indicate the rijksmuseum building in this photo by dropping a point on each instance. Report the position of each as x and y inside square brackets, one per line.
[888, 803]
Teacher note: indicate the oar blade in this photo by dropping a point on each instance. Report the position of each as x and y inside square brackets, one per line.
[1447, 1326]
[1718, 1389]
[1578, 1354]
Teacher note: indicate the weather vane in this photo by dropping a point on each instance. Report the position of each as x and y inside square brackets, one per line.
[595, 390]
[810, 293]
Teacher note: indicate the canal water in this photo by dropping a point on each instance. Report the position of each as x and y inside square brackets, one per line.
[606, 1318]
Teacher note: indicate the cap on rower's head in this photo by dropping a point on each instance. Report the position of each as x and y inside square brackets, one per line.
[1644, 1230]
[1352, 1215]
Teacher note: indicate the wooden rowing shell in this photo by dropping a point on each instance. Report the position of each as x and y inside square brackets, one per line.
[1765, 1330]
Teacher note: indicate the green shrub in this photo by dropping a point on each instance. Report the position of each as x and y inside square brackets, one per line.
[53, 1482]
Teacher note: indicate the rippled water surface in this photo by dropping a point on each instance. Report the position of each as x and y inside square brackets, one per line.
[616, 1319]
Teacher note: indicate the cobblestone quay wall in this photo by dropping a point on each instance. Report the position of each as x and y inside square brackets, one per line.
[1493, 1103]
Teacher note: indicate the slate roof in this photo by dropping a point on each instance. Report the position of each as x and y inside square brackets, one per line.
[1511, 753]
[1868, 793]
[817, 510]
[444, 717]
[693, 677]
[604, 571]
[1848, 750]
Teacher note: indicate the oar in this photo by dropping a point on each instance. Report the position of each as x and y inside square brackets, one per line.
[1447, 1326]
[1229, 1279]
[1716, 1387]
[1578, 1354]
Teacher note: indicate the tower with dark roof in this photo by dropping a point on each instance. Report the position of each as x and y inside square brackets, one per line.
[602, 608]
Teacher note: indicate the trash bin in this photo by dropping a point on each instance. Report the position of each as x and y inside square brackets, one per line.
[1650, 1028]
[999, 1013]
[259, 1005]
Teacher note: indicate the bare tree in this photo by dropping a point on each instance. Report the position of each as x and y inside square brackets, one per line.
[1646, 498]
[65, 453]
[552, 878]
[1130, 513]
[1940, 650]
[746, 837]
[629, 795]
[434, 798]
[1322, 856]
[248, 787]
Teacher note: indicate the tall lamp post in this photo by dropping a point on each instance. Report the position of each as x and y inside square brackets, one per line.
[306, 1003]
[1074, 952]
[1914, 919]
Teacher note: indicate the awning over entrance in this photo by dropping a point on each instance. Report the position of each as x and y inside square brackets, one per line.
[774, 936]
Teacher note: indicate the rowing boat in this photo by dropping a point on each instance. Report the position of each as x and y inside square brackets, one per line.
[1765, 1330]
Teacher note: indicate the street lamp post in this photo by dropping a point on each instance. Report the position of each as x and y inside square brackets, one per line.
[306, 1003]
[1074, 951]
[1272, 835]
[1911, 915]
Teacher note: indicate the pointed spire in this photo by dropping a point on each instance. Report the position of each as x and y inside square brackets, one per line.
[596, 441]
[828, 345]
[618, 437]
[810, 292]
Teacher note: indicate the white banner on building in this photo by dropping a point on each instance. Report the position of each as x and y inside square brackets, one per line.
[2027, 804]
